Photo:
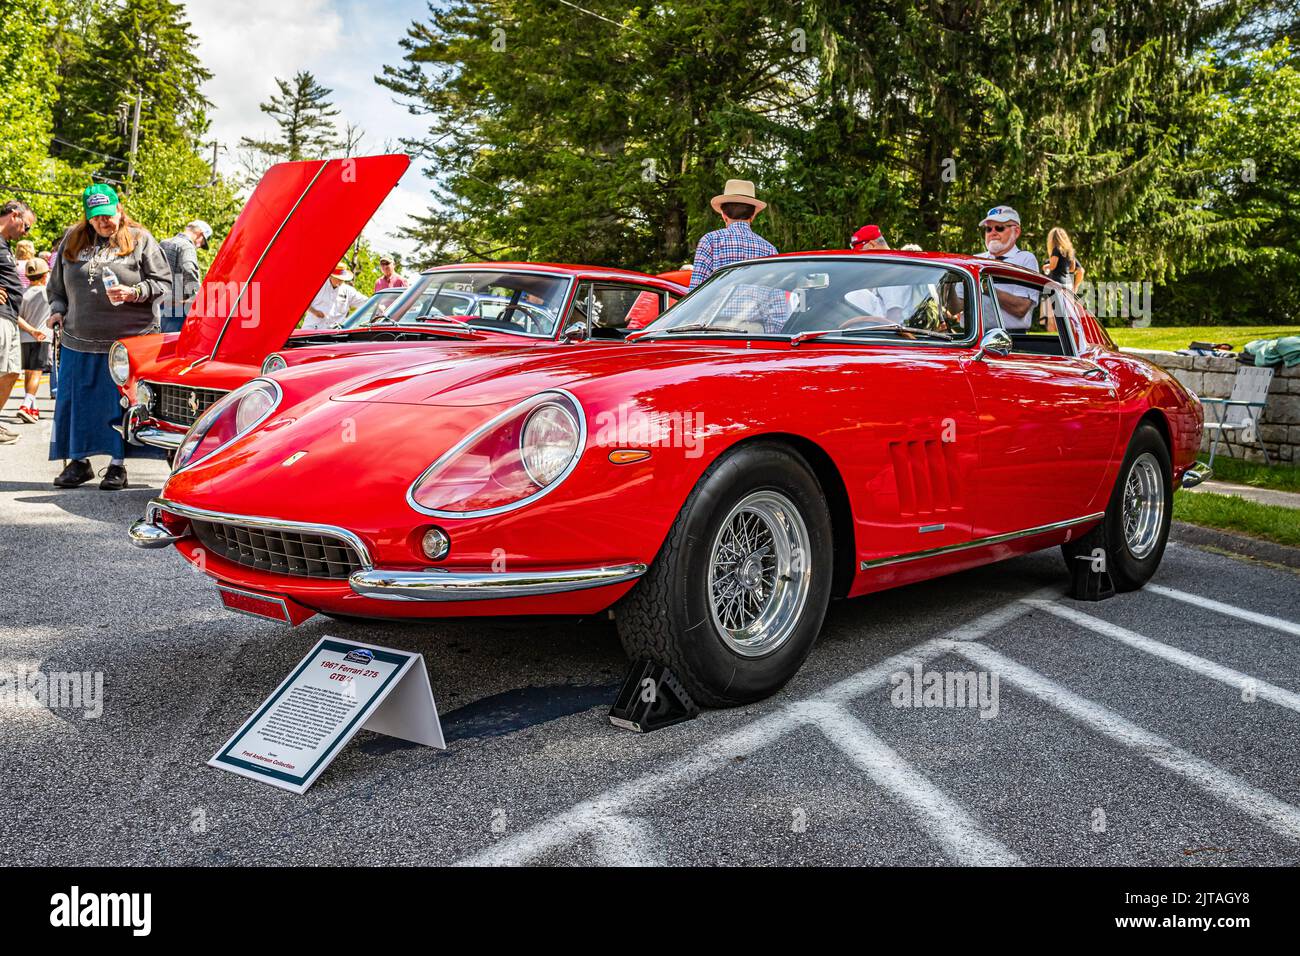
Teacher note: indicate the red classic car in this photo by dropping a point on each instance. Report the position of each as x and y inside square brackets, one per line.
[294, 228]
[799, 428]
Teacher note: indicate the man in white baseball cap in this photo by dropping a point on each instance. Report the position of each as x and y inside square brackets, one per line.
[183, 263]
[1001, 227]
[336, 300]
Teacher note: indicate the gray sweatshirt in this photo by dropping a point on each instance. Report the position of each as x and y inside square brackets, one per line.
[91, 322]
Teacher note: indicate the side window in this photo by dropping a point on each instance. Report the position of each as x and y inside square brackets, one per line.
[1043, 329]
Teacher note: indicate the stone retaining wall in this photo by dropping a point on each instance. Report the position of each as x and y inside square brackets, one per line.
[1211, 377]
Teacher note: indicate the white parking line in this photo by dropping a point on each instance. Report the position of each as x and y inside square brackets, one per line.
[588, 816]
[1263, 807]
[955, 830]
[1206, 668]
[1277, 623]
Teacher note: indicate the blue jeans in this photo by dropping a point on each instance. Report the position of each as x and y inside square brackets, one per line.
[171, 323]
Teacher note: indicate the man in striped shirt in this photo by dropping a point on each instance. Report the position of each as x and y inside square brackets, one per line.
[737, 241]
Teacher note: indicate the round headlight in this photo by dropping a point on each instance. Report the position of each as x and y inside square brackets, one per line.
[254, 405]
[143, 394]
[274, 362]
[119, 363]
[231, 416]
[548, 443]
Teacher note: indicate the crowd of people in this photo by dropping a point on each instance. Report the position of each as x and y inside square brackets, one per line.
[738, 205]
[109, 278]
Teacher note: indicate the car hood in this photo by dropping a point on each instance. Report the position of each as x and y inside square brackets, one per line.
[484, 375]
[293, 230]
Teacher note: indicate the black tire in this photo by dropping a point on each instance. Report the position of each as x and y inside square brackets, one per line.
[668, 617]
[1129, 571]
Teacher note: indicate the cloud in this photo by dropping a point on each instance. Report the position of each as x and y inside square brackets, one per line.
[246, 44]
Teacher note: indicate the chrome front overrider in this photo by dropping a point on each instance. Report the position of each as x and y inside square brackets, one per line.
[139, 428]
[435, 585]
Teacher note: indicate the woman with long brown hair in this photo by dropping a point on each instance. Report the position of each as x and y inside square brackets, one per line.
[107, 271]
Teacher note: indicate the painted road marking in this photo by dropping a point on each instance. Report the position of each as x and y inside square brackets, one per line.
[952, 827]
[1199, 665]
[587, 817]
[1277, 623]
[1263, 807]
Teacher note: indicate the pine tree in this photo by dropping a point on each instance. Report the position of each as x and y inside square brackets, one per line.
[304, 116]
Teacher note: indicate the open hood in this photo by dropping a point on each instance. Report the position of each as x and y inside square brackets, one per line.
[292, 232]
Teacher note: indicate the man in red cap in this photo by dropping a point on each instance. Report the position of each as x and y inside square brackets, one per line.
[868, 237]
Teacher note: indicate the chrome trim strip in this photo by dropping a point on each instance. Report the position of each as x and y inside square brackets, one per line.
[482, 430]
[272, 524]
[978, 543]
[928, 528]
[252, 275]
[436, 585]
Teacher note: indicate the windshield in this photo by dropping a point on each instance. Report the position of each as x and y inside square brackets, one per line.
[524, 303]
[373, 309]
[889, 299]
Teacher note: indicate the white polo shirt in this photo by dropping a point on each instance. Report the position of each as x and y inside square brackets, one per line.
[1017, 257]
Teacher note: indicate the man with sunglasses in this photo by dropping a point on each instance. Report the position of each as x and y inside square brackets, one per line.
[16, 220]
[1001, 226]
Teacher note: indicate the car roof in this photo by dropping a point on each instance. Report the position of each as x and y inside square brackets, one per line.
[558, 268]
[959, 259]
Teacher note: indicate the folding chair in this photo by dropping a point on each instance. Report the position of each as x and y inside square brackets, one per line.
[1241, 411]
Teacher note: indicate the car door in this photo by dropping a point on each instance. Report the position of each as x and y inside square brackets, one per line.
[1048, 419]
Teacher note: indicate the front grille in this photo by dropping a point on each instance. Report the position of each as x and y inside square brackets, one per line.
[281, 552]
[180, 404]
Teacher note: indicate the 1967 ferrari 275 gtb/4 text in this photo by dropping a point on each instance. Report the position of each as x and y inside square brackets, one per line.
[799, 428]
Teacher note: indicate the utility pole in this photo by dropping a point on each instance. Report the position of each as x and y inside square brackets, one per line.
[135, 142]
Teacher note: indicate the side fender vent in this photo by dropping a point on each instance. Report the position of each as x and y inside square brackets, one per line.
[927, 477]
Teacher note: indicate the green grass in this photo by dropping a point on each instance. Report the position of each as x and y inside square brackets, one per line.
[1172, 338]
[1277, 477]
[1269, 522]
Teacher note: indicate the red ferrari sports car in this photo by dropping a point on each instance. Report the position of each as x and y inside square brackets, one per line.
[798, 428]
[297, 224]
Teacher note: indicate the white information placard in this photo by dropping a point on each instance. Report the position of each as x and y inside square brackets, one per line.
[339, 688]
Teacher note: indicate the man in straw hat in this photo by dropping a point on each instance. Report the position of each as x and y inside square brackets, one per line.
[736, 241]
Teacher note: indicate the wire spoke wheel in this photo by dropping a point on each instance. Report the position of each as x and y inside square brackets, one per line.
[759, 573]
[1144, 505]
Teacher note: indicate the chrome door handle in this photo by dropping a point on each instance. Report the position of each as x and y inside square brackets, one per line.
[1096, 374]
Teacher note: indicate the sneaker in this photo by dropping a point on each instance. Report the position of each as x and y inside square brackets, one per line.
[7, 437]
[114, 478]
[77, 472]
[29, 413]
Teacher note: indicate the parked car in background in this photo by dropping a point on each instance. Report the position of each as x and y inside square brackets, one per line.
[799, 428]
[298, 222]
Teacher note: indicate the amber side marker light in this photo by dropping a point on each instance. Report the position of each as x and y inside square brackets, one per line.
[626, 456]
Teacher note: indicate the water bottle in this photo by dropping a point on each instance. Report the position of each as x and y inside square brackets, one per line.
[109, 281]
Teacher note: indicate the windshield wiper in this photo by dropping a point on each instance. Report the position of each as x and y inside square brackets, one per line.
[450, 319]
[871, 329]
[694, 327]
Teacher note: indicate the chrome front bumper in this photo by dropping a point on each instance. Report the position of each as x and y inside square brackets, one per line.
[1196, 474]
[434, 585]
[140, 429]
[429, 585]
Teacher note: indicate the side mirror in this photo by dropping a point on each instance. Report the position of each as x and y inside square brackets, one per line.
[995, 342]
[574, 332]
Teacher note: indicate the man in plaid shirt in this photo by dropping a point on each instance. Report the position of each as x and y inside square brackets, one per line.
[737, 241]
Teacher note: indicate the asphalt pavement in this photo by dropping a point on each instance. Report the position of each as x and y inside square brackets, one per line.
[1158, 727]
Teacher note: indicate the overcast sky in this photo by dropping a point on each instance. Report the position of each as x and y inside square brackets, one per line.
[345, 43]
